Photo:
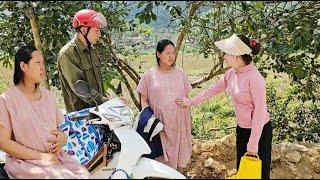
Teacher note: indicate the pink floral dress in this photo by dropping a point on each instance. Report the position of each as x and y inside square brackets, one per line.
[30, 124]
[162, 89]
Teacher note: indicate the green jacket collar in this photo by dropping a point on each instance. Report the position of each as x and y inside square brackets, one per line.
[80, 45]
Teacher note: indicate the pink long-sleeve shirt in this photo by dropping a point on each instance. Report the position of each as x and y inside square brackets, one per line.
[248, 90]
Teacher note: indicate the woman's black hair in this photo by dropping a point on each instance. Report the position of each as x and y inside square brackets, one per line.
[253, 44]
[160, 48]
[23, 55]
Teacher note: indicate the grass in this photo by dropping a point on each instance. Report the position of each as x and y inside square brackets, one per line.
[193, 65]
[6, 78]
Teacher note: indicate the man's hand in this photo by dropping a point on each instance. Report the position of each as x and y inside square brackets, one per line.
[123, 99]
[57, 142]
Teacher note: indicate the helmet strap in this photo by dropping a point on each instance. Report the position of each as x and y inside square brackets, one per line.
[86, 37]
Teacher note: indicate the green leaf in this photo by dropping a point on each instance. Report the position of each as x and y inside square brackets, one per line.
[178, 10]
[153, 16]
[137, 15]
[148, 19]
[149, 7]
[258, 4]
[51, 45]
[49, 14]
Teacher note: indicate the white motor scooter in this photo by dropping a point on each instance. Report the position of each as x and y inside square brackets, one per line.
[119, 119]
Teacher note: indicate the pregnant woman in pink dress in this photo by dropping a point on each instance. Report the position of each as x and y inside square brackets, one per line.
[28, 125]
[159, 87]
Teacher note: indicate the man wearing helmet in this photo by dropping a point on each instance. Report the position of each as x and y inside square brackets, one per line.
[78, 60]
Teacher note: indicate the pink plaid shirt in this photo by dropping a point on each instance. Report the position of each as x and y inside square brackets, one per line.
[248, 90]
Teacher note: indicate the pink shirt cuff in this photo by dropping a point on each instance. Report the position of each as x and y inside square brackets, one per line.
[252, 147]
[187, 102]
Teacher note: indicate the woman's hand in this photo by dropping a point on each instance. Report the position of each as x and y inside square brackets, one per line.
[50, 158]
[252, 153]
[179, 102]
[57, 142]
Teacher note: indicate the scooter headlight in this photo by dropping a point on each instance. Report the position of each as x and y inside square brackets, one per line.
[111, 117]
[120, 113]
[126, 112]
[116, 111]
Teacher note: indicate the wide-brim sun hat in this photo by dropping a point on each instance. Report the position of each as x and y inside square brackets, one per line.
[233, 46]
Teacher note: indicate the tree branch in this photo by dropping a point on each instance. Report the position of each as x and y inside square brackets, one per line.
[133, 97]
[36, 36]
[131, 72]
[194, 6]
[126, 68]
[172, 20]
[215, 129]
[213, 72]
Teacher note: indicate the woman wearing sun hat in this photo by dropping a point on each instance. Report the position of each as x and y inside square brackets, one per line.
[247, 87]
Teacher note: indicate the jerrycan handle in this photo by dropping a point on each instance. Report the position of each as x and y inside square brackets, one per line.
[257, 156]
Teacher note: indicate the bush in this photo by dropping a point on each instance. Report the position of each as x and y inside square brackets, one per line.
[216, 113]
[292, 119]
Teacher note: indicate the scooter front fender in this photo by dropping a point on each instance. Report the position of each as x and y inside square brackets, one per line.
[146, 167]
[133, 146]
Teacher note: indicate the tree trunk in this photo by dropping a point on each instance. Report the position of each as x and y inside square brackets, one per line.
[183, 33]
[218, 68]
[36, 36]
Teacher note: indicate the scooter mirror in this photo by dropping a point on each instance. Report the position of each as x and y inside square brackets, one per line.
[82, 89]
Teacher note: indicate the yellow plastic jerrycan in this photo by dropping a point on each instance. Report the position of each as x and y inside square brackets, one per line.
[249, 168]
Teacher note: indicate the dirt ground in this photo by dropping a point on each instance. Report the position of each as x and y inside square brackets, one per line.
[217, 160]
